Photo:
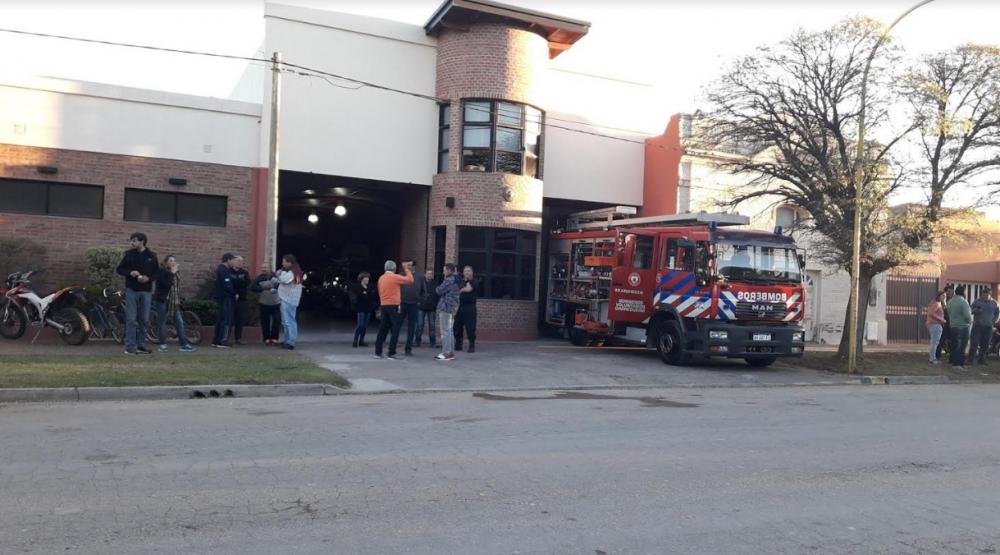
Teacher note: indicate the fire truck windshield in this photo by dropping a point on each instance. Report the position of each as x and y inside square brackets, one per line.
[750, 262]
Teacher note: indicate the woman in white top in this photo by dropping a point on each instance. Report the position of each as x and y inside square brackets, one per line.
[289, 278]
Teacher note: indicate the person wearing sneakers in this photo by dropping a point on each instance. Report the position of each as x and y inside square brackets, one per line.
[389, 295]
[225, 298]
[289, 278]
[447, 307]
[270, 305]
[168, 283]
[138, 267]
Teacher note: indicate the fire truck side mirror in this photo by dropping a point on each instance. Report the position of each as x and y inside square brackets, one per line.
[802, 260]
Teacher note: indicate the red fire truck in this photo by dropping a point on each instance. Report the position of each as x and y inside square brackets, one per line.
[688, 285]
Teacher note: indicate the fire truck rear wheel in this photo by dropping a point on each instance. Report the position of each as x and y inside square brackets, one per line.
[669, 344]
[579, 338]
[760, 362]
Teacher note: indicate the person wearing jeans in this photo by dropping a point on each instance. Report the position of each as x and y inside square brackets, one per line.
[985, 314]
[364, 298]
[289, 279]
[935, 325]
[225, 298]
[138, 266]
[168, 283]
[428, 311]
[448, 293]
[960, 319]
[409, 308]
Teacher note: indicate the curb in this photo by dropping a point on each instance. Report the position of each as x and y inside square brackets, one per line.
[905, 380]
[162, 392]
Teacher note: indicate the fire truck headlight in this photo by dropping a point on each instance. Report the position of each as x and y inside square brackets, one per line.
[718, 334]
[798, 336]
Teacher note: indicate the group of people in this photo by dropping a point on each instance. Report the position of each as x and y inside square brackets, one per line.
[149, 280]
[278, 294]
[450, 305]
[952, 321]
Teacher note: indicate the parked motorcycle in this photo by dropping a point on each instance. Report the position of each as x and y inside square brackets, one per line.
[22, 305]
[995, 341]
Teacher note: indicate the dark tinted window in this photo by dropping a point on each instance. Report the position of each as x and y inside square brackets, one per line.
[53, 199]
[164, 207]
[503, 260]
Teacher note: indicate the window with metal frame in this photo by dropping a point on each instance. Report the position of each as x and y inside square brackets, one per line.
[502, 259]
[47, 198]
[502, 137]
[444, 137]
[166, 207]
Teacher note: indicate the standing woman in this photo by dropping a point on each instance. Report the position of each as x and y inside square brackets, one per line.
[270, 305]
[168, 283]
[365, 299]
[935, 325]
[289, 278]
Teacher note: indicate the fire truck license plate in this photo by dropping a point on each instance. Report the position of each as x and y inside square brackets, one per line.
[761, 337]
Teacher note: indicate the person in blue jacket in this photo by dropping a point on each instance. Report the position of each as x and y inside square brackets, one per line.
[225, 297]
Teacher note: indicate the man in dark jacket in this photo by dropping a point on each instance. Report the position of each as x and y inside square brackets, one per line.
[411, 294]
[428, 311]
[225, 297]
[139, 266]
[241, 282]
[465, 319]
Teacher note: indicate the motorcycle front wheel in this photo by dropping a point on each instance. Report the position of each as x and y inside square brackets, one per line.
[13, 320]
[76, 327]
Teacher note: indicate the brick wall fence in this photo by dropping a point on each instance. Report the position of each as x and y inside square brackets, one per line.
[198, 248]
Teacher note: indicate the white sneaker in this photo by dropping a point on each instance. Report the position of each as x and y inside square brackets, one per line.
[163, 348]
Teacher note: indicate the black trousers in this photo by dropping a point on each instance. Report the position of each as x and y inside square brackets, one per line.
[979, 344]
[945, 340]
[223, 319]
[392, 319]
[239, 319]
[270, 321]
[465, 323]
[411, 313]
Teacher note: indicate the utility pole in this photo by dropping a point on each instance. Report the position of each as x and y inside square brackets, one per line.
[859, 175]
[271, 241]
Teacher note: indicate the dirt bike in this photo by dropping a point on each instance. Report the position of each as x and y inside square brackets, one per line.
[21, 305]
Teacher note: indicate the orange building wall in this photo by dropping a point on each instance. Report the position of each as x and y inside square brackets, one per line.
[661, 177]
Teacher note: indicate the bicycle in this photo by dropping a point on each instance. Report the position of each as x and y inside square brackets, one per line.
[192, 327]
[107, 316]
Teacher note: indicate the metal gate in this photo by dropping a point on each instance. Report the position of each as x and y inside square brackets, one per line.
[905, 299]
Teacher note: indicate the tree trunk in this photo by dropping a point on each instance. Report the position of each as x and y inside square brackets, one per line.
[864, 293]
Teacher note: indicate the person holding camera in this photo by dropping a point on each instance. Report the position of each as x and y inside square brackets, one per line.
[389, 295]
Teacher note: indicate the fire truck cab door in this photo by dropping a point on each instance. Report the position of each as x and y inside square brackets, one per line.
[679, 284]
[632, 281]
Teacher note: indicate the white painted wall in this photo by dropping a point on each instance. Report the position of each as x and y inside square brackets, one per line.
[367, 133]
[583, 166]
[78, 115]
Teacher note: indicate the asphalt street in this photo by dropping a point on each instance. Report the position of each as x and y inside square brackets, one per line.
[889, 469]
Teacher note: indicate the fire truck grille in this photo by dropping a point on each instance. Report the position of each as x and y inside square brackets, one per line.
[760, 311]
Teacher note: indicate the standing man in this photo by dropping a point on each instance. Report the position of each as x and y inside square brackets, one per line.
[960, 320]
[448, 293]
[241, 282]
[411, 294]
[949, 292]
[270, 305]
[225, 298]
[465, 320]
[389, 295]
[428, 310]
[985, 315]
[139, 266]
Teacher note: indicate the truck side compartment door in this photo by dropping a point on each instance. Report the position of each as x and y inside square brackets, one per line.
[633, 280]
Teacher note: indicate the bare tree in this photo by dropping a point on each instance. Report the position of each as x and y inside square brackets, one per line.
[797, 103]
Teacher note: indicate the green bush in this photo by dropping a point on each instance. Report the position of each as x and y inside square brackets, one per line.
[207, 311]
[99, 264]
[19, 255]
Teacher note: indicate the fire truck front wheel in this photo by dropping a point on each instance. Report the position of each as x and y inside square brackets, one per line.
[669, 344]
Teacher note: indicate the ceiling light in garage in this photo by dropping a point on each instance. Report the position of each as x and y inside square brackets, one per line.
[340, 210]
[312, 218]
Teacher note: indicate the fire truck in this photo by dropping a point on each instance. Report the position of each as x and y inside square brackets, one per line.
[688, 285]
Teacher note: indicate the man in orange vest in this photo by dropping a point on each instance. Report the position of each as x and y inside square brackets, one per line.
[389, 298]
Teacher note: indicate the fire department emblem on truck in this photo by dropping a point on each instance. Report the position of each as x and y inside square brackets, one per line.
[634, 278]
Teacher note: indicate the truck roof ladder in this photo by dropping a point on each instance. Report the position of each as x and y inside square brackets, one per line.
[605, 218]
